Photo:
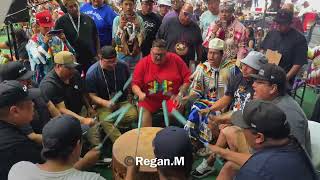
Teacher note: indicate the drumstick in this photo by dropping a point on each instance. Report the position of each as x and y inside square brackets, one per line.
[113, 115]
[120, 93]
[115, 98]
[127, 83]
[119, 119]
[179, 117]
[139, 127]
[165, 112]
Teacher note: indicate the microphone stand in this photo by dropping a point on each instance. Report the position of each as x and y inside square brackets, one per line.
[9, 21]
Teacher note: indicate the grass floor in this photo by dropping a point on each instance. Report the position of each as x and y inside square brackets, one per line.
[308, 101]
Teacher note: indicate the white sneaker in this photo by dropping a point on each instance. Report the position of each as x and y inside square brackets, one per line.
[203, 170]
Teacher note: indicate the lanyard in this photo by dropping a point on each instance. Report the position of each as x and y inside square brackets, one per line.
[107, 84]
[77, 28]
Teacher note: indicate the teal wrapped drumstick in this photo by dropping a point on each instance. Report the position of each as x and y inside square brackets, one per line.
[165, 113]
[116, 97]
[110, 117]
[124, 110]
[139, 127]
[140, 117]
[126, 85]
[179, 117]
[120, 93]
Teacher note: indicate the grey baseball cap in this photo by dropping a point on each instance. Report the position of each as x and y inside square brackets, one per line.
[255, 60]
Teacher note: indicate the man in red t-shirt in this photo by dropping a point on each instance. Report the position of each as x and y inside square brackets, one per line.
[159, 76]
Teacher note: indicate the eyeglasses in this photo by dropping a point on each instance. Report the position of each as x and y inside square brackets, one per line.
[187, 14]
[110, 61]
[158, 56]
[262, 82]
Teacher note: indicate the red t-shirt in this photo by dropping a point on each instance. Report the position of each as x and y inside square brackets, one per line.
[158, 80]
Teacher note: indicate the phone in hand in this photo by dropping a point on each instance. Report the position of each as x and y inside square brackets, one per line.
[55, 32]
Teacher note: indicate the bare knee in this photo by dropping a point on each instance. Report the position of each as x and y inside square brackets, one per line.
[235, 138]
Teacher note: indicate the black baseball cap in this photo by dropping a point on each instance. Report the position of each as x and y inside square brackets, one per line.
[108, 52]
[284, 17]
[60, 133]
[173, 142]
[271, 73]
[12, 92]
[264, 117]
[14, 71]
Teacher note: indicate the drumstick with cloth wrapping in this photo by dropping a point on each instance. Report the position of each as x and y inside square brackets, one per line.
[165, 113]
[171, 106]
[139, 127]
[111, 116]
[120, 93]
[125, 109]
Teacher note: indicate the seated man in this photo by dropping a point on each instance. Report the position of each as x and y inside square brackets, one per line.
[61, 151]
[170, 143]
[44, 108]
[104, 79]
[64, 87]
[157, 77]
[267, 129]
[16, 110]
[207, 87]
[239, 91]
[269, 85]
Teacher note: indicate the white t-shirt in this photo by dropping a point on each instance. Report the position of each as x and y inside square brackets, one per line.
[28, 171]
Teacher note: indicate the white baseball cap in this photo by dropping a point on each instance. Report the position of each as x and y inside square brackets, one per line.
[164, 2]
[216, 44]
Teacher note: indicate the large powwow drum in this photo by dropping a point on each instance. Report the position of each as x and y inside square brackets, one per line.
[125, 149]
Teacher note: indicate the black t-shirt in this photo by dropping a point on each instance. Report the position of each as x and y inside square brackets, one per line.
[85, 44]
[151, 25]
[292, 45]
[15, 147]
[182, 40]
[240, 89]
[95, 82]
[42, 115]
[57, 91]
